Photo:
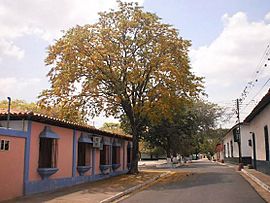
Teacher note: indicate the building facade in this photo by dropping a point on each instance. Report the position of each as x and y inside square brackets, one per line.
[259, 123]
[39, 153]
[219, 154]
[230, 145]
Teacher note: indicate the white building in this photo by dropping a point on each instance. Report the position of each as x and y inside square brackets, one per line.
[259, 123]
[230, 145]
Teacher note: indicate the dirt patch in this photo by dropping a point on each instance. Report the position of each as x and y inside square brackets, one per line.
[174, 177]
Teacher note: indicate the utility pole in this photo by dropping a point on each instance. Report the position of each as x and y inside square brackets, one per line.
[239, 132]
[8, 115]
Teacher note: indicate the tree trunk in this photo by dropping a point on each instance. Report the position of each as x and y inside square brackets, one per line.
[135, 136]
[135, 155]
[168, 148]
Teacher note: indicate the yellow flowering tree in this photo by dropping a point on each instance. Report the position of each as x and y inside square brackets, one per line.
[127, 63]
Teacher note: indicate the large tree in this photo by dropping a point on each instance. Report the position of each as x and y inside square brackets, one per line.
[124, 64]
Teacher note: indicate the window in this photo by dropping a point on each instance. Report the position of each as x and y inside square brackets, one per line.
[104, 155]
[47, 153]
[116, 155]
[266, 138]
[81, 154]
[84, 154]
[4, 145]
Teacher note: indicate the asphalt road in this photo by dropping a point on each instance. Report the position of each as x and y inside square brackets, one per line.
[211, 183]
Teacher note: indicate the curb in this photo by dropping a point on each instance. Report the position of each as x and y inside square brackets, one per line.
[258, 181]
[132, 189]
[223, 164]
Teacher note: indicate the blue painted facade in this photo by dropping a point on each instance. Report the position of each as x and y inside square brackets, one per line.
[50, 184]
[54, 184]
[13, 133]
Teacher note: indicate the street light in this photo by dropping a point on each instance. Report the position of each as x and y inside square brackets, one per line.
[8, 116]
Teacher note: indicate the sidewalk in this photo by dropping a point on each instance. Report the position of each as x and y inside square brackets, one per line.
[260, 182]
[260, 178]
[92, 192]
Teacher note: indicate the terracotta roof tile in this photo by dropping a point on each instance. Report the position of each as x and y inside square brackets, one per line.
[29, 115]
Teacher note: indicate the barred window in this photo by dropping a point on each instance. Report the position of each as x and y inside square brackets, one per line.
[47, 153]
[84, 154]
[115, 155]
[104, 155]
[4, 145]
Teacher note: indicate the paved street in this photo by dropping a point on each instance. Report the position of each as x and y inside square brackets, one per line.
[210, 183]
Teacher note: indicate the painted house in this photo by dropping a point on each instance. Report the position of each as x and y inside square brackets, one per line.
[219, 154]
[40, 153]
[231, 148]
[259, 122]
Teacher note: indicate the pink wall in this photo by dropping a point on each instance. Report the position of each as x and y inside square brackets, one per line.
[12, 167]
[65, 147]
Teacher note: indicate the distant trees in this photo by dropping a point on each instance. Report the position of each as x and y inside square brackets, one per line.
[150, 149]
[191, 129]
[19, 105]
[112, 127]
[126, 64]
[210, 139]
[67, 113]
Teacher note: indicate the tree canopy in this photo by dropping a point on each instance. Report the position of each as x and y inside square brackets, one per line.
[187, 131]
[127, 63]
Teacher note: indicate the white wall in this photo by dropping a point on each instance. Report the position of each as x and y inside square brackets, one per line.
[245, 136]
[15, 125]
[257, 126]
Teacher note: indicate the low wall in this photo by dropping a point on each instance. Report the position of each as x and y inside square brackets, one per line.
[235, 160]
[54, 184]
[263, 166]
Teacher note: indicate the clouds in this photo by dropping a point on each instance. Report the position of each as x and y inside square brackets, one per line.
[15, 87]
[229, 61]
[27, 28]
[44, 18]
[7, 48]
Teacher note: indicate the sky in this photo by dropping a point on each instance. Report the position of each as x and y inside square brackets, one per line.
[229, 43]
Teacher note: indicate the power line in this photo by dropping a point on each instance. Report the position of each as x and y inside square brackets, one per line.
[260, 69]
[263, 63]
